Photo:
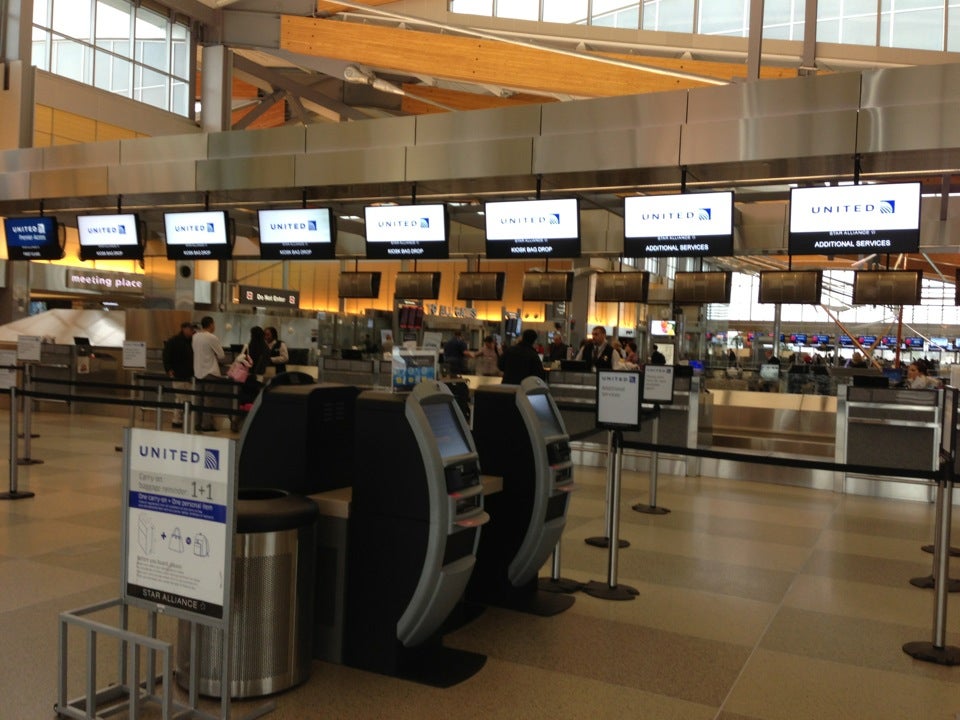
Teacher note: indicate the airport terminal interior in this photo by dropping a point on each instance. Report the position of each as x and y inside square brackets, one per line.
[756, 601]
[777, 590]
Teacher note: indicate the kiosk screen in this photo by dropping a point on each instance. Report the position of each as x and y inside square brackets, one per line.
[544, 412]
[446, 429]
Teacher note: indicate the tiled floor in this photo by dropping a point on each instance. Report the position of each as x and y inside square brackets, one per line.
[755, 601]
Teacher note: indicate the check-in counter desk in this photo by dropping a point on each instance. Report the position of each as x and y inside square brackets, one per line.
[892, 428]
[684, 423]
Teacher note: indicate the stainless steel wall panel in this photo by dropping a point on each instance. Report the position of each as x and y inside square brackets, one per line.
[614, 113]
[813, 94]
[14, 185]
[610, 150]
[601, 232]
[770, 138]
[918, 85]
[909, 127]
[246, 173]
[82, 155]
[491, 158]
[466, 240]
[349, 167]
[289, 140]
[162, 149]
[499, 123]
[77, 182]
[154, 177]
[387, 132]
[26, 159]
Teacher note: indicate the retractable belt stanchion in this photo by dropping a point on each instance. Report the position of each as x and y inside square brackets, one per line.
[937, 651]
[557, 583]
[611, 590]
[14, 493]
[604, 540]
[653, 508]
[27, 418]
[930, 581]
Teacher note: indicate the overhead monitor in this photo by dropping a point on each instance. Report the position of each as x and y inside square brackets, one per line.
[418, 285]
[622, 287]
[404, 232]
[855, 219]
[688, 225]
[197, 235]
[702, 287]
[533, 228]
[33, 238]
[887, 287]
[109, 237]
[358, 285]
[297, 234]
[663, 328]
[548, 286]
[480, 286]
[791, 287]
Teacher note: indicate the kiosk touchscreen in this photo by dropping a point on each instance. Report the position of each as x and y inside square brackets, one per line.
[520, 437]
[415, 518]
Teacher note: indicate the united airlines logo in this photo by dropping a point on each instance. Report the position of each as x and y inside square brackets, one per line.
[309, 225]
[548, 219]
[107, 230]
[425, 223]
[884, 207]
[705, 214]
[633, 379]
[209, 458]
[200, 228]
[312, 225]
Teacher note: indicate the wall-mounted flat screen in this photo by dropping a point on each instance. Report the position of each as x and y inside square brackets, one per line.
[358, 285]
[914, 343]
[868, 340]
[32, 238]
[786, 287]
[297, 234]
[940, 343]
[109, 237]
[418, 285]
[854, 219]
[622, 287]
[845, 340]
[400, 232]
[887, 287]
[688, 225]
[888, 341]
[545, 414]
[820, 339]
[197, 235]
[446, 429]
[663, 328]
[533, 228]
[702, 287]
[480, 285]
[548, 286]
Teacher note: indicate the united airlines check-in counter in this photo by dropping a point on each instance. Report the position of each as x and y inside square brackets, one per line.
[520, 438]
[415, 519]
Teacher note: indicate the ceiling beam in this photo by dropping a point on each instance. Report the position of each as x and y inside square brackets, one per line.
[278, 80]
[474, 60]
[421, 99]
[329, 8]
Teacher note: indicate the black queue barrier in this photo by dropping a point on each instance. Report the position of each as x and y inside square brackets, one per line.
[14, 493]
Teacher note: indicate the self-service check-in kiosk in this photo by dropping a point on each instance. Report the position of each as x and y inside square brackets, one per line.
[415, 519]
[520, 437]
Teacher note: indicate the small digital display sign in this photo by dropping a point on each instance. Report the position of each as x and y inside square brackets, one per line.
[533, 228]
[688, 225]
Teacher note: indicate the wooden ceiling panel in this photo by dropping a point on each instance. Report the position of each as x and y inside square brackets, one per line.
[459, 100]
[324, 8]
[486, 62]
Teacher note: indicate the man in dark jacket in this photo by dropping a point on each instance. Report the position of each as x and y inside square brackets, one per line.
[178, 364]
[522, 360]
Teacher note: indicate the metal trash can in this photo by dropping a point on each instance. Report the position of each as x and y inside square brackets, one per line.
[272, 614]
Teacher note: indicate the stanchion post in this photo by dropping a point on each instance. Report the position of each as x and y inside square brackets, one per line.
[938, 651]
[652, 508]
[603, 541]
[14, 493]
[612, 590]
[556, 583]
[27, 417]
[930, 581]
[159, 409]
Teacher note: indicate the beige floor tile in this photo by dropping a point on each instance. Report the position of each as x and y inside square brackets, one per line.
[36, 538]
[63, 503]
[869, 569]
[854, 543]
[902, 605]
[26, 583]
[780, 686]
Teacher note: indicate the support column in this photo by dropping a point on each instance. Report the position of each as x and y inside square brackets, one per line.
[754, 40]
[17, 87]
[216, 88]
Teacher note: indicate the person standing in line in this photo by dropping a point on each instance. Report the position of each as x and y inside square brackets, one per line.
[207, 356]
[178, 365]
[657, 357]
[487, 357]
[454, 351]
[522, 360]
[279, 355]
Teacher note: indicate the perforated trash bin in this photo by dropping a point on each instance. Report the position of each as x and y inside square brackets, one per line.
[272, 603]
